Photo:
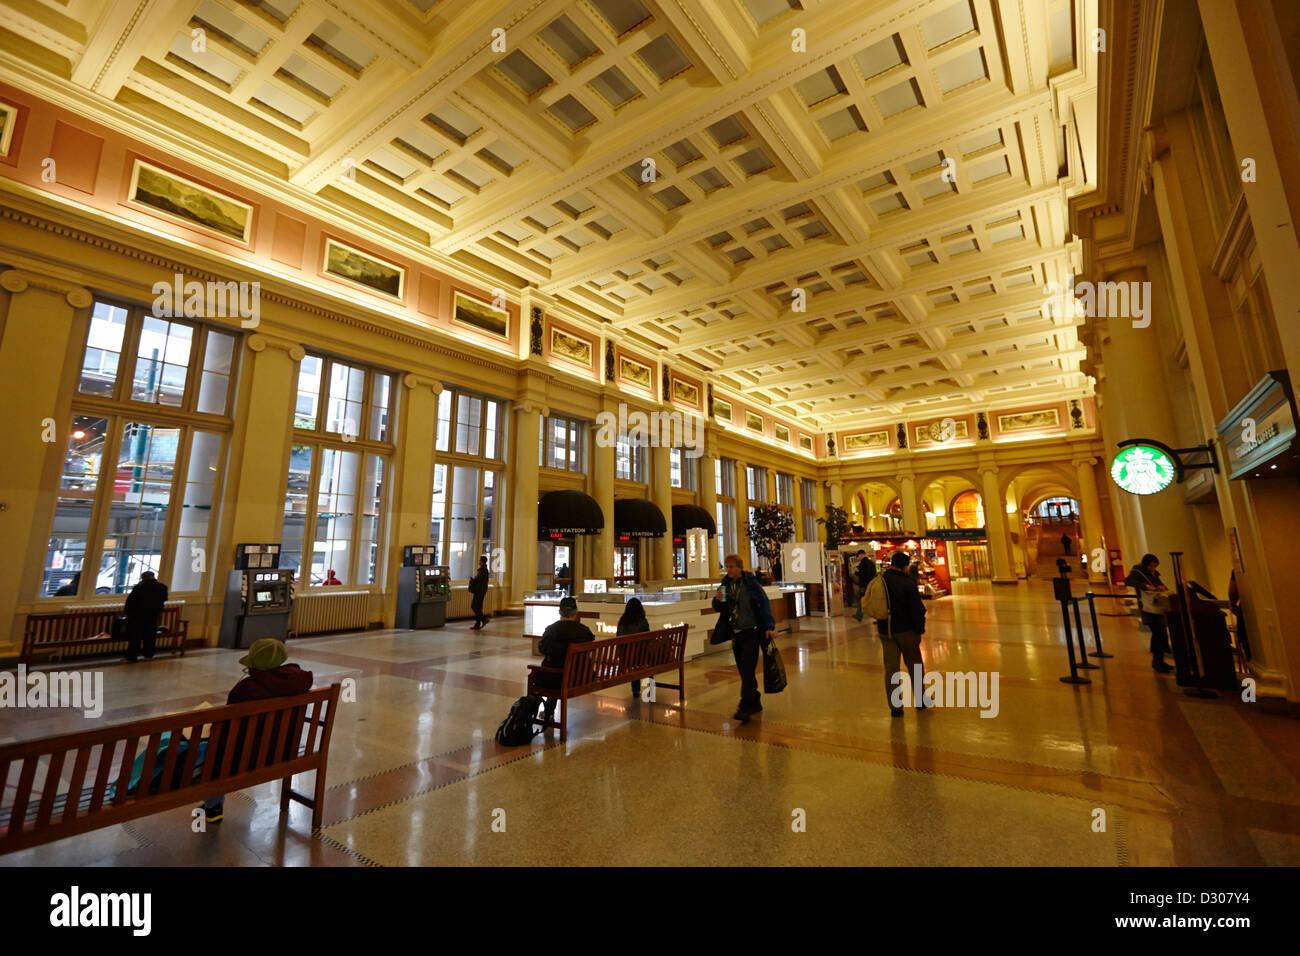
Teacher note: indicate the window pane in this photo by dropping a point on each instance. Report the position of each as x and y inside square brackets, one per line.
[462, 518]
[439, 509]
[103, 349]
[137, 517]
[297, 489]
[675, 467]
[444, 419]
[162, 362]
[379, 397]
[304, 412]
[335, 511]
[347, 392]
[493, 416]
[190, 556]
[491, 488]
[469, 422]
[72, 510]
[218, 355]
[372, 499]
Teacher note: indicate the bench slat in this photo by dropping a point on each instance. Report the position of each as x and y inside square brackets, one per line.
[77, 782]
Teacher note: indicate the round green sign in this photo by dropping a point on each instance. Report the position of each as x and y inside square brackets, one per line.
[1142, 469]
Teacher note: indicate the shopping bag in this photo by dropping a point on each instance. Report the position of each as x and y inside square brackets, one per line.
[774, 679]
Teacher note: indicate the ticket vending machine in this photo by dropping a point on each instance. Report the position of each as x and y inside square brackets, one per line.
[259, 597]
[423, 589]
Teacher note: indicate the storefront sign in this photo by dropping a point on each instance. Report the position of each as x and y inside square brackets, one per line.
[957, 534]
[1143, 469]
[1260, 433]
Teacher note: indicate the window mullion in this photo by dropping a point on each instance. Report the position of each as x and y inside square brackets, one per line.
[128, 357]
[179, 468]
[103, 502]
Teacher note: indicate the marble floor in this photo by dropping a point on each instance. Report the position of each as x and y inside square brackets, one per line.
[1124, 771]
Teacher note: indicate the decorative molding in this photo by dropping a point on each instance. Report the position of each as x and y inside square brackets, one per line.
[20, 280]
[260, 341]
[413, 381]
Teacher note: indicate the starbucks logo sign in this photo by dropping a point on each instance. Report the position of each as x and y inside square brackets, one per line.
[1142, 469]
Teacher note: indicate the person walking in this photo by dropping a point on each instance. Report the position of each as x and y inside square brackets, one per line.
[900, 633]
[1067, 543]
[1143, 577]
[866, 571]
[478, 587]
[143, 606]
[744, 618]
[331, 579]
[633, 621]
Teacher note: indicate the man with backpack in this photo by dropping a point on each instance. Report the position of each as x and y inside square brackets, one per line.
[865, 573]
[894, 600]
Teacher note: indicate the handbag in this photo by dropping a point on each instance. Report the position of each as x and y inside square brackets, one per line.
[1153, 602]
[774, 679]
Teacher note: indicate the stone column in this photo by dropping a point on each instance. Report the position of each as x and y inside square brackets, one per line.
[707, 496]
[996, 523]
[264, 440]
[601, 461]
[1090, 517]
[661, 493]
[522, 564]
[43, 334]
[411, 482]
[907, 484]
[741, 545]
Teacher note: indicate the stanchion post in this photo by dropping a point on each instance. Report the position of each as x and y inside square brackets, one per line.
[1062, 588]
[1084, 663]
[1096, 631]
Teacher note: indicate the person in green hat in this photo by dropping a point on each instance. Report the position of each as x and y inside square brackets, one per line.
[268, 676]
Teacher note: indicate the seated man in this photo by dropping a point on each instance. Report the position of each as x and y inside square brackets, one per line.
[268, 676]
[554, 645]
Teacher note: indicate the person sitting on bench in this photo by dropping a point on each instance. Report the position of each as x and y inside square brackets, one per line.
[554, 645]
[268, 676]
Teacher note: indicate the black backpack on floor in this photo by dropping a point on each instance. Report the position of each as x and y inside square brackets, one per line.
[517, 729]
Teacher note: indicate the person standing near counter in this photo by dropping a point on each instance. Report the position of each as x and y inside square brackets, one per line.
[744, 618]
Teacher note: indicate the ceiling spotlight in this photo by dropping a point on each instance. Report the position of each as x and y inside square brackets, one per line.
[78, 434]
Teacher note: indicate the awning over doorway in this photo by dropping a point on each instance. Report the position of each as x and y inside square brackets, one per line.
[686, 517]
[638, 518]
[564, 513]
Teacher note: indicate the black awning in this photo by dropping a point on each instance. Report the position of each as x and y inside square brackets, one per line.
[638, 518]
[686, 517]
[568, 512]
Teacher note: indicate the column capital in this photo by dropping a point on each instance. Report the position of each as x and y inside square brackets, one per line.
[902, 478]
[259, 342]
[413, 381]
[531, 407]
[1084, 462]
[20, 280]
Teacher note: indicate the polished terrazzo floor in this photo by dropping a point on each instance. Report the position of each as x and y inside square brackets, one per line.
[415, 777]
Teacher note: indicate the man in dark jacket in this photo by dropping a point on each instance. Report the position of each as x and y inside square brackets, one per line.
[143, 606]
[478, 586]
[554, 646]
[900, 633]
[1145, 577]
[865, 572]
[744, 618]
[268, 676]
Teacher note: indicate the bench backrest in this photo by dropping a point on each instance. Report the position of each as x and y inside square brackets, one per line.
[595, 664]
[77, 623]
[77, 782]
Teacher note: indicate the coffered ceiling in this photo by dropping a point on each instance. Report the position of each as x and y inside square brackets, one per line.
[847, 209]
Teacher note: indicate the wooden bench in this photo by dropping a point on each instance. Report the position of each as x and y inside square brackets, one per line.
[88, 632]
[595, 665]
[275, 739]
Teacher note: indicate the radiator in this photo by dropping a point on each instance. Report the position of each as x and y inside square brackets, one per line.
[458, 602]
[317, 612]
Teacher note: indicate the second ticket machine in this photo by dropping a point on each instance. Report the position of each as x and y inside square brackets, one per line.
[259, 597]
[423, 588]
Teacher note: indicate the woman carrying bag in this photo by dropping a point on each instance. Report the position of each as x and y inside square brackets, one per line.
[1153, 599]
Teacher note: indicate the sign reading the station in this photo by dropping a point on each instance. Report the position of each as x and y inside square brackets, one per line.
[1143, 469]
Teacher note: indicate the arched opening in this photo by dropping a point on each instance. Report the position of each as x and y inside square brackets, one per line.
[967, 510]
